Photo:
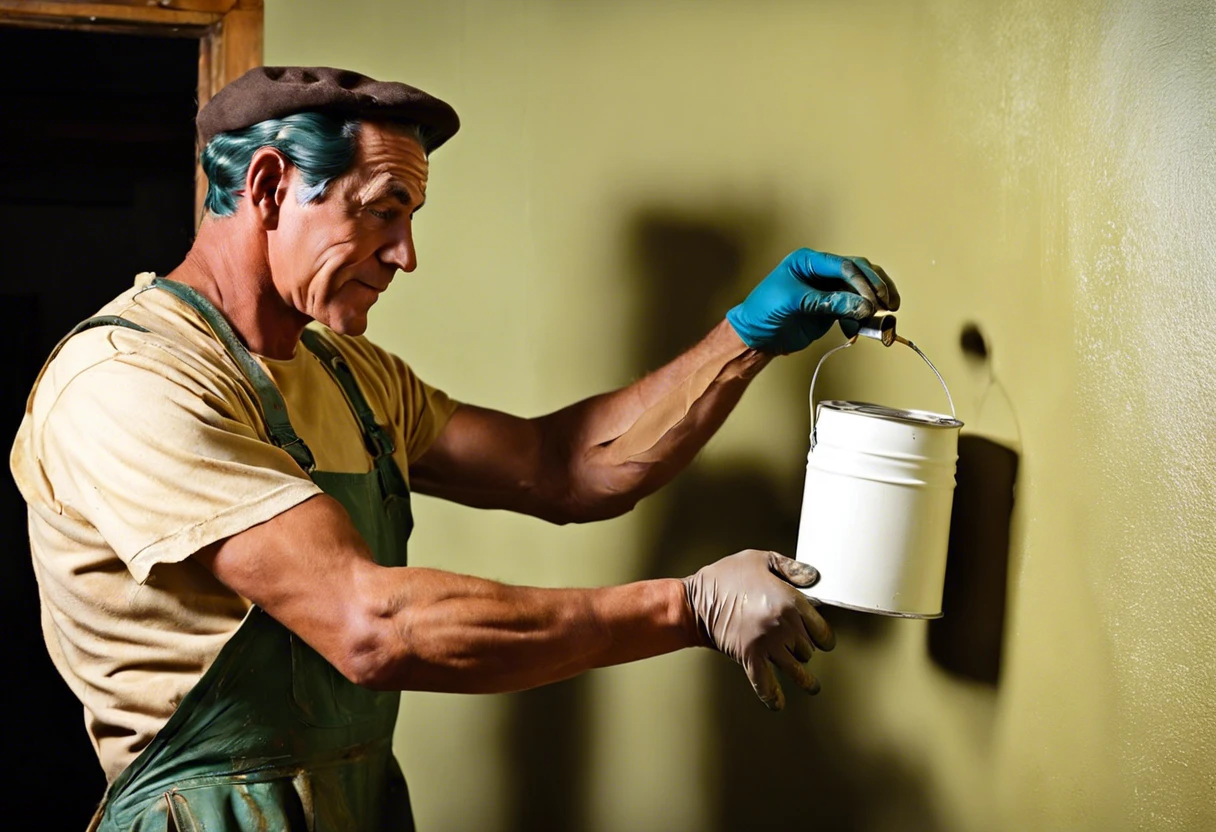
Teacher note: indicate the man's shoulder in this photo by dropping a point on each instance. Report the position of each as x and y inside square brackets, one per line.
[168, 344]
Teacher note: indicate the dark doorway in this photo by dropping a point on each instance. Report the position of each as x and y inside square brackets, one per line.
[96, 184]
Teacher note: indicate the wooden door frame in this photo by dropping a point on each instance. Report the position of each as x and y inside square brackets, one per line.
[229, 33]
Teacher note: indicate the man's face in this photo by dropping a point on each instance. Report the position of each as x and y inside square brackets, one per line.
[331, 259]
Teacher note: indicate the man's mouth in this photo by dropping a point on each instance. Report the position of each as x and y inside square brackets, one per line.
[373, 286]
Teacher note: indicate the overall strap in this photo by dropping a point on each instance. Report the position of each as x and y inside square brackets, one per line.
[274, 411]
[379, 441]
[104, 320]
[90, 323]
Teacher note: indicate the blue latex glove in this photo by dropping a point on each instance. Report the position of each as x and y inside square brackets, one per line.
[808, 292]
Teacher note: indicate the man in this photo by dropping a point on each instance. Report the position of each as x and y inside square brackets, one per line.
[219, 490]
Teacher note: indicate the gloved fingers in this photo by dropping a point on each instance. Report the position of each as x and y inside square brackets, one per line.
[884, 288]
[795, 572]
[892, 298]
[837, 305]
[794, 636]
[817, 629]
[803, 575]
[862, 280]
[808, 263]
[801, 649]
[764, 682]
[797, 671]
[849, 327]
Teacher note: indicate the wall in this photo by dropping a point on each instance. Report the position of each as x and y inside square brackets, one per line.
[626, 171]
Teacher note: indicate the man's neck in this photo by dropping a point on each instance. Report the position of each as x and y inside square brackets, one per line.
[232, 272]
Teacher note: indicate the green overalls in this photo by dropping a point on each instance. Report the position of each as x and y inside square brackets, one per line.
[273, 737]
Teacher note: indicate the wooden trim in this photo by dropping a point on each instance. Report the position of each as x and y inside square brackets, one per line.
[229, 34]
[230, 48]
[106, 17]
[210, 6]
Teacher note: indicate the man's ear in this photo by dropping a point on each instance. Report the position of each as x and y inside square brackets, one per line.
[266, 185]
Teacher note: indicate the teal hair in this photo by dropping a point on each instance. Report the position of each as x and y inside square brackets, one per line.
[320, 146]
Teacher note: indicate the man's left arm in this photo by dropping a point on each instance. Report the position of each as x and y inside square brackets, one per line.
[597, 458]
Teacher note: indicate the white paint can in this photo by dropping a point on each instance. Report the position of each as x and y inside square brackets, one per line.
[876, 504]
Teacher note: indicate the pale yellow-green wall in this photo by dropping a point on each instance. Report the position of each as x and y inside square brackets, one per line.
[626, 170]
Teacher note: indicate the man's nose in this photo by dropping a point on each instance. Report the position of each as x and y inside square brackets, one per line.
[399, 251]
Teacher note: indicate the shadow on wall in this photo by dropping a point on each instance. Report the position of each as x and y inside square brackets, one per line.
[806, 764]
[968, 640]
[548, 737]
[795, 767]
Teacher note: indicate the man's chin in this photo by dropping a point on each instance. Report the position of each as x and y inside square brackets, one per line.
[347, 322]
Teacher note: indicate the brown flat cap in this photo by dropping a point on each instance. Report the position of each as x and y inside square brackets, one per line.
[277, 91]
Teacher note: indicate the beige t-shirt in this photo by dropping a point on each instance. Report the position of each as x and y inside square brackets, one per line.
[138, 449]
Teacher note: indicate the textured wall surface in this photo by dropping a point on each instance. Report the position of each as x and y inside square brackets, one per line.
[1045, 170]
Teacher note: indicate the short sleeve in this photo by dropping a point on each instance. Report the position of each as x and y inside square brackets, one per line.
[427, 411]
[419, 411]
[162, 459]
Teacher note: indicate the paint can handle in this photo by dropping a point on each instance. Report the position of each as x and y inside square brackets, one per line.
[851, 342]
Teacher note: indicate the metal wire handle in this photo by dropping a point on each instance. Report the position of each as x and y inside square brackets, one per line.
[851, 342]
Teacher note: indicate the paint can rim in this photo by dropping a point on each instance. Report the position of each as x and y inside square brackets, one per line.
[922, 418]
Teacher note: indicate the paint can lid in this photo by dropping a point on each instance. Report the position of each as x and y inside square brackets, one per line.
[878, 411]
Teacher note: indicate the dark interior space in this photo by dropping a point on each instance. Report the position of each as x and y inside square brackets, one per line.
[96, 185]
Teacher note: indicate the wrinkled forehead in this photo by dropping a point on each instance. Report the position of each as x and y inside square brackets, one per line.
[389, 156]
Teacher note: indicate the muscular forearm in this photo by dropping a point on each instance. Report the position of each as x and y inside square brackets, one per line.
[597, 458]
[411, 628]
[441, 631]
[625, 444]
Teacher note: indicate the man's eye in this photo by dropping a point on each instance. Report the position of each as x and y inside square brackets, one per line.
[380, 215]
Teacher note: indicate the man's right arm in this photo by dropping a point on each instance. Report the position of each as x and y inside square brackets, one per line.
[425, 629]
[411, 628]
[144, 427]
